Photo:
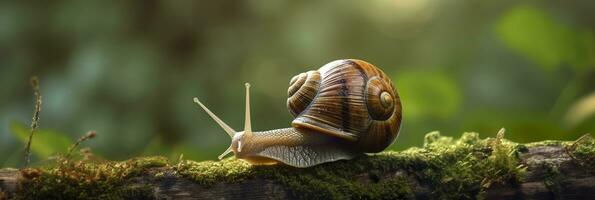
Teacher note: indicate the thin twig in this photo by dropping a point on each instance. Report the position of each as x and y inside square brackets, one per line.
[35, 120]
[89, 135]
[571, 148]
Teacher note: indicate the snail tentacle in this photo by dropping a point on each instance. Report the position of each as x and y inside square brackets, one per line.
[229, 150]
[232, 133]
[223, 125]
[247, 122]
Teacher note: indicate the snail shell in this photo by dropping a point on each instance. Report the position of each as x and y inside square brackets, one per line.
[349, 99]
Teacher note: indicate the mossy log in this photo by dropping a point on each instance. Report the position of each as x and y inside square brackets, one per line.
[466, 168]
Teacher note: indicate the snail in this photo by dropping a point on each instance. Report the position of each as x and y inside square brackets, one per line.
[344, 109]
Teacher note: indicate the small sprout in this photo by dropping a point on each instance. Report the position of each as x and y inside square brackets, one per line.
[503, 166]
[89, 135]
[35, 120]
[180, 160]
[500, 136]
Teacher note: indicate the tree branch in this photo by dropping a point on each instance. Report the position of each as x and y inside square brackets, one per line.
[466, 168]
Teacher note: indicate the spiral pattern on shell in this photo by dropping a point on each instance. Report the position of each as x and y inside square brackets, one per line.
[348, 99]
[302, 90]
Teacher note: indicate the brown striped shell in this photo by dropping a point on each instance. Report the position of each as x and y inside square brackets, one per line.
[349, 99]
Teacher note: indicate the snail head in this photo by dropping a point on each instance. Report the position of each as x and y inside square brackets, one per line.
[238, 138]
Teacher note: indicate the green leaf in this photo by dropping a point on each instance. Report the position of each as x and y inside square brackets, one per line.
[581, 111]
[44, 143]
[535, 34]
[427, 94]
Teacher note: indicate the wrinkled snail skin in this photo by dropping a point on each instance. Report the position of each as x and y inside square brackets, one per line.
[346, 108]
[291, 147]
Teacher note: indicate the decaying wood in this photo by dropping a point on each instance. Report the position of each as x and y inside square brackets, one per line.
[576, 181]
[573, 181]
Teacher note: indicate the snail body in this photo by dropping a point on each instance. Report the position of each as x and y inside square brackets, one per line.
[345, 108]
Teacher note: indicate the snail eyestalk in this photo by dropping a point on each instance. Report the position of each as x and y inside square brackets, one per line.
[223, 125]
[225, 153]
[247, 123]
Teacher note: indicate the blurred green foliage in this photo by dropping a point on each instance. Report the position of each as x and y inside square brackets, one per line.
[533, 33]
[129, 69]
[421, 89]
[45, 142]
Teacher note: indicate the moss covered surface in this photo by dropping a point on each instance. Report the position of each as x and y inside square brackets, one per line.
[86, 179]
[582, 151]
[449, 168]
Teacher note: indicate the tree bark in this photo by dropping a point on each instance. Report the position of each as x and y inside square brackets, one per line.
[571, 180]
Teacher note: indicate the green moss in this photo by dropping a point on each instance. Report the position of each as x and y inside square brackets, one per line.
[450, 168]
[209, 172]
[552, 179]
[87, 179]
[583, 151]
